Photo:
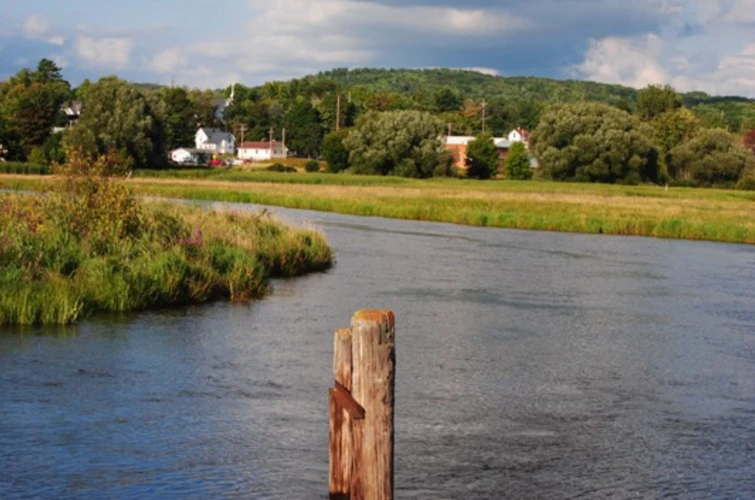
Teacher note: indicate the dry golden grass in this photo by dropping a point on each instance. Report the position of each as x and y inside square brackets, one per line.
[707, 214]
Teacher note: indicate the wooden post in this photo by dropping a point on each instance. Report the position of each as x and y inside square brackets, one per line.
[361, 409]
[340, 420]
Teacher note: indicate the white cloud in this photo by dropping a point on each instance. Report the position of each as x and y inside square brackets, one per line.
[483, 70]
[638, 62]
[298, 36]
[169, 60]
[36, 26]
[716, 56]
[104, 51]
[56, 40]
[632, 62]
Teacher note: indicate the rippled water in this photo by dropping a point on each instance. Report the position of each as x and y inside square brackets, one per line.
[530, 365]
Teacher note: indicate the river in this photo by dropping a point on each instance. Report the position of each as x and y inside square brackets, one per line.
[529, 365]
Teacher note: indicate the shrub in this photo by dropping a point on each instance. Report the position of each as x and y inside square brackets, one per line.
[312, 166]
[279, 167]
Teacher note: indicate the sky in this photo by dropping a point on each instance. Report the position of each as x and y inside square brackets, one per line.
[706, 45]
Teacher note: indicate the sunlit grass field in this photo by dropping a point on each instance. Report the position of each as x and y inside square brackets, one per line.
[688, 213]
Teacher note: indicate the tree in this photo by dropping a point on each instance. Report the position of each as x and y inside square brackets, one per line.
[334, 152]
[712, 157]
[592, 142]
[447, 100]
[204, 109]
[672, 128]
[30, 103]
[304, 127]
[482, 157]
[408, 143]
[177, 113]
[121, 120]
[518, 163]
[656, 99]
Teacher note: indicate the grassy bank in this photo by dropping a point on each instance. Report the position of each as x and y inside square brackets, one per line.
[63, 257]
[698, 214]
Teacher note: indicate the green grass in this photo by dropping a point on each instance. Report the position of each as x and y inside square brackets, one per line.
[60, 261]
[687, 213]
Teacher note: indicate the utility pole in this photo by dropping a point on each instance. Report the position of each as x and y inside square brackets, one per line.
[243, 129]
[484, 110]
[449, 130]
[284, 141]
[272, 131]
[338, 112]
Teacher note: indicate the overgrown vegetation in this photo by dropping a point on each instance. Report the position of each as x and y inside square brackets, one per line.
[92, 246]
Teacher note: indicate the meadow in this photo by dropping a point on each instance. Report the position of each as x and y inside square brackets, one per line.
[685, 213]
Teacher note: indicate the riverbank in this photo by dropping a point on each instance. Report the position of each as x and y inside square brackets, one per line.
[682, 213]
[62, 258]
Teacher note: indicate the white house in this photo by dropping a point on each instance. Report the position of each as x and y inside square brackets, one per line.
[185, 155]
[519, 135]
[214, 140]
[262, 151]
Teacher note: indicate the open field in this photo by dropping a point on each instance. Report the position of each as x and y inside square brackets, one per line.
[699, 214]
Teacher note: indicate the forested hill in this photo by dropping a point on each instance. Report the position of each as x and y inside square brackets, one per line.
[423, 88]
[473, 84]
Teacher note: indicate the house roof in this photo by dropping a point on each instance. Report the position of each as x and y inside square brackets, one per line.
[523, 132]
[463, 140]
[188, 150]
[73, 107]
[257, 145]
[216, 135]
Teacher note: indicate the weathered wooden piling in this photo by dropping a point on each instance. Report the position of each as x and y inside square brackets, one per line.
[361, 408]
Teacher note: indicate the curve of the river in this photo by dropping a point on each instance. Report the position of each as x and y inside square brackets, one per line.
[529, 365]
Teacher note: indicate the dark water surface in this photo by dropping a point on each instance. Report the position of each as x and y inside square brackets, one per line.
[530, 365]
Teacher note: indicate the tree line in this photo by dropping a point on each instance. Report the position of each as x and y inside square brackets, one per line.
[393, 122]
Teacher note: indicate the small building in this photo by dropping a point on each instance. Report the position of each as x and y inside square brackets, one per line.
[262, 151]
[519, 135]
[186, 155]
[215, 141]
[70, 114]
[457, 146]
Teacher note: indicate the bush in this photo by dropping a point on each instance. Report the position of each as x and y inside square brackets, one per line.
[312, 166]
[14, 167]
[279, 167]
